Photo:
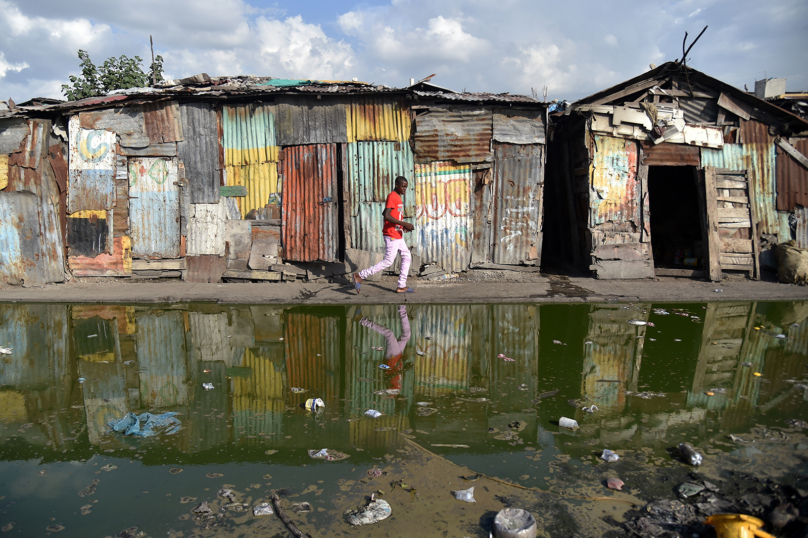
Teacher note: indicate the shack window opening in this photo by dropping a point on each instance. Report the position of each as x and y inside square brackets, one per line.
[676, 236]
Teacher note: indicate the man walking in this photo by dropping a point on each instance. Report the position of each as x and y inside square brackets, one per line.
[392, 229]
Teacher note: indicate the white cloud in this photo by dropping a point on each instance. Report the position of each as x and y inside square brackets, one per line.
[610, 40]
[5, 67]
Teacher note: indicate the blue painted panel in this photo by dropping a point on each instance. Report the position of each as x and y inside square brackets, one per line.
[154, 221]
[91, 189]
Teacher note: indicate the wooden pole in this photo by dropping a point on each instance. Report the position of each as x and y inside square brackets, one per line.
[154, 74]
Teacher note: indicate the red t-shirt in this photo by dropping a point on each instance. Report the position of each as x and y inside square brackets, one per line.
[394, 202]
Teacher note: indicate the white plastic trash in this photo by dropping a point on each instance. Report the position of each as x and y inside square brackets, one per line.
[515, 523]
[465, 495]
[263, 509]
[373, 413]
[207, 386]
[568, 423]
[609, 455]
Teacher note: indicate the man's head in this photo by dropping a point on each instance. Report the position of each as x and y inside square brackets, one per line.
[401, 185]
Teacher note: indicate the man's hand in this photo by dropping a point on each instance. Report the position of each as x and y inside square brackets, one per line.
[408, 227]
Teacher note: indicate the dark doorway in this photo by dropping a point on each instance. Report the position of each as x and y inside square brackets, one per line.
[676, 236]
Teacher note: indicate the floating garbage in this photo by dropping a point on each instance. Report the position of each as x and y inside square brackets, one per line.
[559, 343]
[327, 455]
[514, 523]
[419, 352]
[82, 380]
[263, 509]
[689, 454]
[615, 483]
[504, 358]
[207, 386]
[465, 495]
[391, 392]
[377, 348]
[373, 413]
[377, 510]
[609, 456]
[568, 423]
[146, 424]
[591, 409]
[5, 350]
[313, 404]
[374, 472]
[737, 526]
[637, 322]
[297, 390]
[423, 404]
[301, 508]
[202, 508]
[384, 367]
[780, 336]
[426, 411]
[689, 489]
[109, 467]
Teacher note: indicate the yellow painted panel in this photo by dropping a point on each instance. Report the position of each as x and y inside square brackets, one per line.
[261, 181]
[12, 407]
[374, 119]
[126, 254]
[263, 390]
[241, 157]
[88, 213]
[3, 172]
[99, 357]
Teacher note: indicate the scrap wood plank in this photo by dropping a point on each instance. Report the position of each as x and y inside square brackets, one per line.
[253, 275]
[735, 259]
[791, 150]
[724, 183]
[737, 107]
[736, 245]
[233, 191]
[729, 267]
[734, 223]
[709, 218]
[733, 199]
[142, 264]
[731, 212]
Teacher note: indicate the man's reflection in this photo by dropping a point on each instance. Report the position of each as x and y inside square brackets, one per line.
[394, 348]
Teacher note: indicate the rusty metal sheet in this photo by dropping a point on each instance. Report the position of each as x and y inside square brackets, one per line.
[460, 134]
[756, 154]
[261, 180]
[12, 133]
[445, 366]
[37, 333]
[126, 122]
[615, 191]
[248, 134]
[209, 334]
[92, 168]
[206, 230]
[372, 170]
[670, 155]
[208, 269]
[801, 231]
[378, 119]
[518, 189]
[443, 223]
[309, 121]
[20, 239]
[519, 126]
[169, 149]
[792, 177]
[161, 360]
[163, 122]
[89, 233]
[119, 263]
[312, 347]
[154, 207]
[309, 218]
[199, 151]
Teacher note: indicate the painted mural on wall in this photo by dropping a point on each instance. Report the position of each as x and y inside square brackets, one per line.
[91, 168]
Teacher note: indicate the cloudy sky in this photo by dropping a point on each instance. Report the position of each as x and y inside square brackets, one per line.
[574, 48]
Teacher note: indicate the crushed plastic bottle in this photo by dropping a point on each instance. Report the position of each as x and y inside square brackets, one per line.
[314, 404]
[689, 454]
[609, 456]
[207, 386]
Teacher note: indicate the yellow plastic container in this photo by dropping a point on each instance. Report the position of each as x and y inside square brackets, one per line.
[737, 526]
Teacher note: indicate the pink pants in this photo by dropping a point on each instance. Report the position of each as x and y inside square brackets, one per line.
[393, 247]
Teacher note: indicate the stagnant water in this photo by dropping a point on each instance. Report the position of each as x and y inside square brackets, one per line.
[462, 390]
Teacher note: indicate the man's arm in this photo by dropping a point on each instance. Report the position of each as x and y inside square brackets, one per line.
[389, 218]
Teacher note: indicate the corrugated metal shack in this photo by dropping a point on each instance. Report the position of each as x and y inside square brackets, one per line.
[674, 173]
[210, 178]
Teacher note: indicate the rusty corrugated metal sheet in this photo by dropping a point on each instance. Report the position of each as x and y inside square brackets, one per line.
[513, 331]
[797, 341]
[699, 110]
[460, 134]
[206, 230]
[161, 360]
[163, 122]
[118, 263]
[518, 177]
[372, 170]
[309, 217]
[92, 168]
[377, 119]
[261, 180]
[442, 222]
[519, 126]
[12, 133]
[801, 232]
[613, 173]
[757, 155]
[3, 172]
[313, 355]
[670, 155]
[199, 151]
[126, 122]
[309, 121]
[154, 207]
[792, 178]
[209, 334]
[37, 334]
[20, 239]
[445, 366]
[377, 433]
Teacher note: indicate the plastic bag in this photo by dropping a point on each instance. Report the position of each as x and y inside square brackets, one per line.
[514, 523]
[373, 413]
[263, 509]
[609, 456]
[465, 495]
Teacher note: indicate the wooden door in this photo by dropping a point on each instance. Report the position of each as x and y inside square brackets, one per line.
[729, 222]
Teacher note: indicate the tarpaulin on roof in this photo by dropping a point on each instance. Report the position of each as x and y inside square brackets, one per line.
[284, 82]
